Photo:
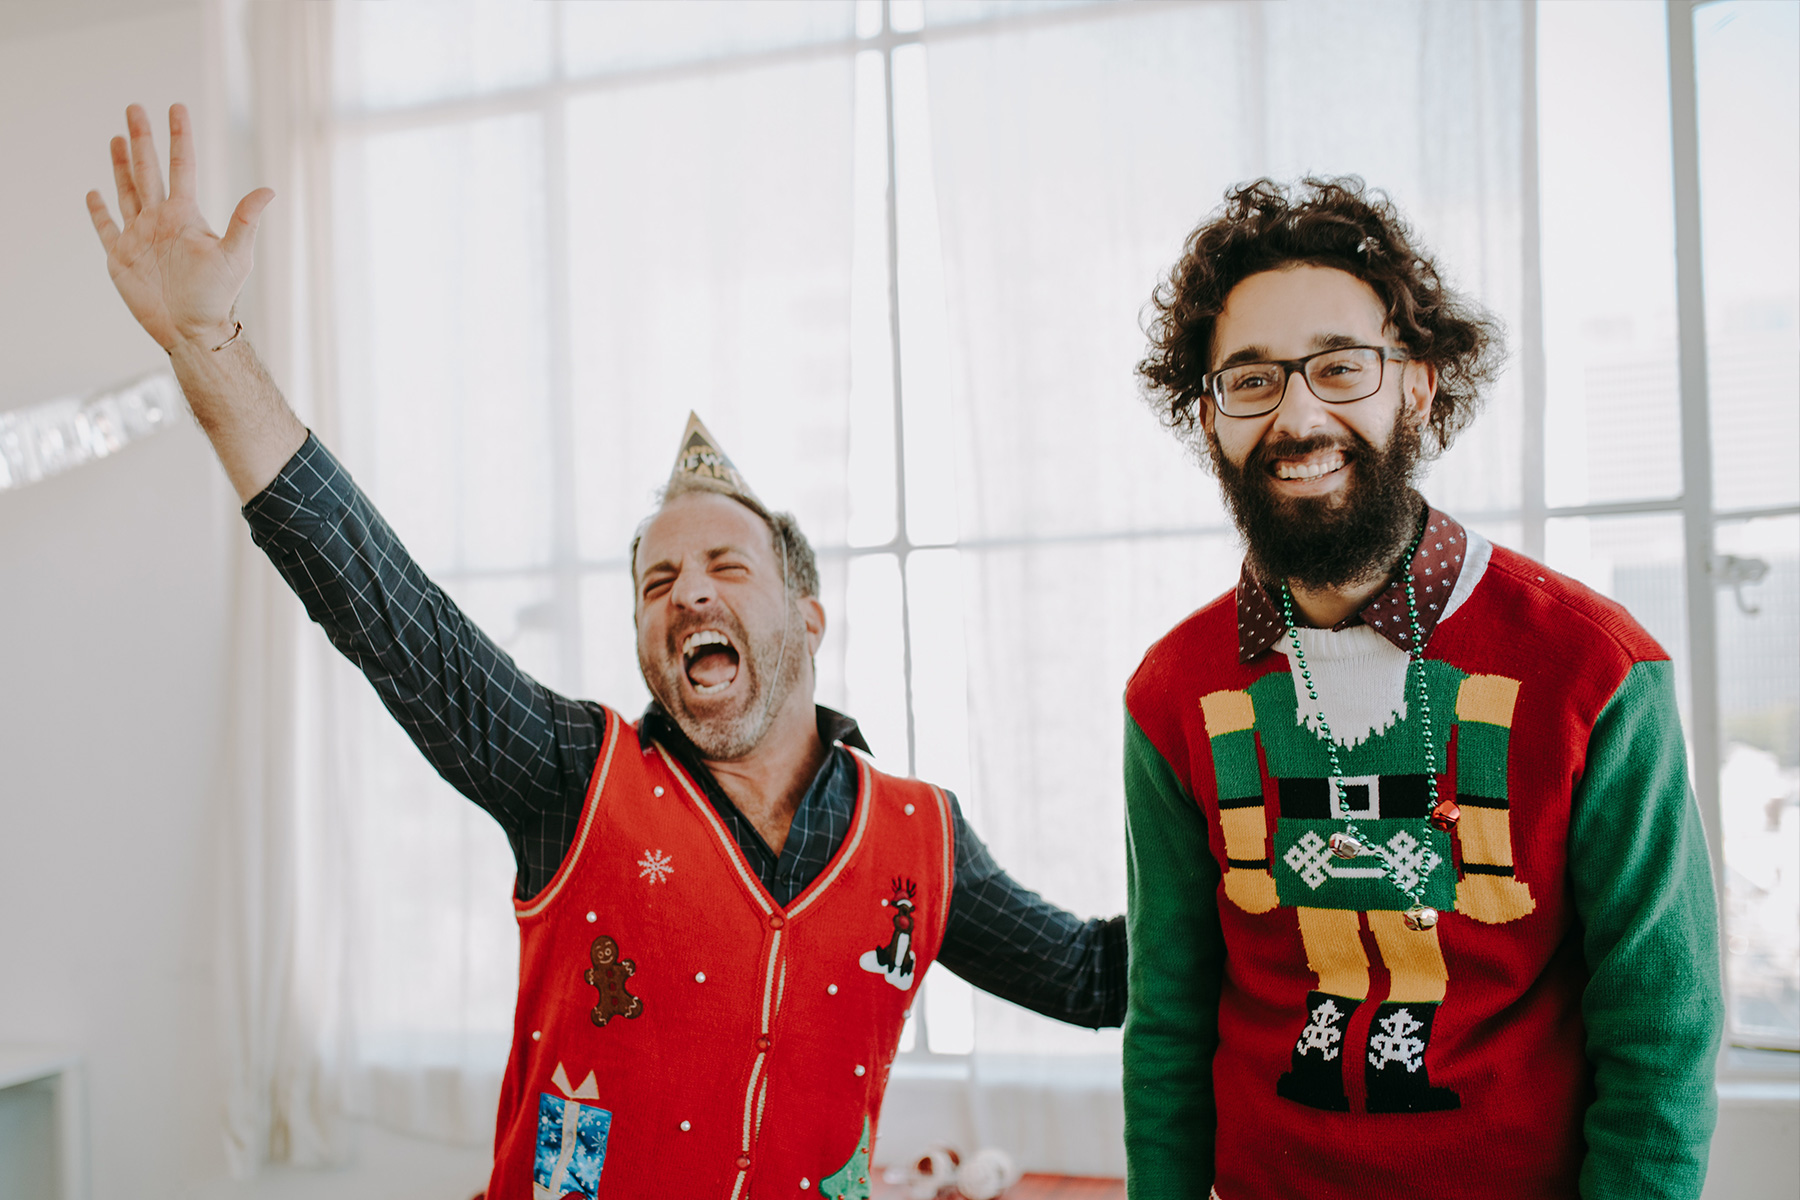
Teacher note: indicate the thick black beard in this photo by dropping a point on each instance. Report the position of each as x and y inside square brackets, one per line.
[1317, 543]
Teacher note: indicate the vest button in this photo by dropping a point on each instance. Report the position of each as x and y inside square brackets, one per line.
[861, 1070]
[909, 810]
[743, 1162]
[762, 1043]
[657, 790]
[777, 921]
[686, 1125]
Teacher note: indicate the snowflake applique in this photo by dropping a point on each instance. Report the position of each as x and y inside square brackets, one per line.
[1322, 1034]
[1410, 860]
[1396, 1043]
[1308, 857]
[657, 866]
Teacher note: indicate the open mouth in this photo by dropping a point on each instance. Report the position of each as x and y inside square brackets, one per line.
[710, 660]
[1308, 467]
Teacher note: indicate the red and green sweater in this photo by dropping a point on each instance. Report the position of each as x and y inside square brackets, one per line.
[1553, 1035]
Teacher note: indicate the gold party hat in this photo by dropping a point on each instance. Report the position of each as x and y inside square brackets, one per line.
[700, 461]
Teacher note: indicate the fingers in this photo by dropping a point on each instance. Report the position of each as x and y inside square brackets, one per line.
[103, 222]
[128, 197]
[240, 233]
[146, 172]
[181, 154]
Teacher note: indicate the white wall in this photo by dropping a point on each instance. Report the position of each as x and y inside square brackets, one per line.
[112, 644]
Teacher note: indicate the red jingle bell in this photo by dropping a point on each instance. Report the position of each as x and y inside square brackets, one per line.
[1445, 815]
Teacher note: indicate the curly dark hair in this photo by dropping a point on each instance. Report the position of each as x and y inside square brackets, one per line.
[1338, 223]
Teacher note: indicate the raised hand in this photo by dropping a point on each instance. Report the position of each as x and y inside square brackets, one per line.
[176, 276]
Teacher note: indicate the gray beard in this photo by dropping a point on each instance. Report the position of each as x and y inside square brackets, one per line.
[724, 736]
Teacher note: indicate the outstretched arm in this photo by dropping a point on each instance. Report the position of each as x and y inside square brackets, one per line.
[181, 282]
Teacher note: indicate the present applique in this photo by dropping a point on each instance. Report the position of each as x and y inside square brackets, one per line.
[894, 961]
[571, 1147]
[609, 975]
[850, 1181]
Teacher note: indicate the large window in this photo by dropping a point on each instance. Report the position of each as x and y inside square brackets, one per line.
[894, 253]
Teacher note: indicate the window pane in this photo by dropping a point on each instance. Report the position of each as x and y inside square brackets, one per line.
[442, 320]
[622, 35]
[1759, 777]
[1637, 561]
[710, 245]
[404, 52]
[1060, 628]
[1612, 408]
[875, 658]
[873, 501]
[609, 643]
[957, 12]
[1749, 109]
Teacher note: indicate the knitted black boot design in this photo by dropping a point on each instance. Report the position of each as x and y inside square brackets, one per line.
[1396, 1075]
[1316, 1078]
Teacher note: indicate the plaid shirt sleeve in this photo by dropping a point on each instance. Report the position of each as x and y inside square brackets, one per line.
[519, 750]
[1006, 939]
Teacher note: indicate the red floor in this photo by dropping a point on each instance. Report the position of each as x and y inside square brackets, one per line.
[1035, 1187]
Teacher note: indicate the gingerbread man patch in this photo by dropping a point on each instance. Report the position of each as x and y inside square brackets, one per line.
[609, 975]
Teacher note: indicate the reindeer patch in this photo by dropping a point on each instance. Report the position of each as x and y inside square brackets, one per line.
[894, 961]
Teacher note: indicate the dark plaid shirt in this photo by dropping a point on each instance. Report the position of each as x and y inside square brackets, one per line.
[525, 753]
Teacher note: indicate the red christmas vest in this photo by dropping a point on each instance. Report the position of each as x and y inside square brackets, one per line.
[678, 1033]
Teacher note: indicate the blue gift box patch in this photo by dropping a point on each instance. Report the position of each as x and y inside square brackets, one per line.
[571, 1147]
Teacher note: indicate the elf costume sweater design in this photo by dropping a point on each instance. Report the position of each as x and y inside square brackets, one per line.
[1289, 1034]
[678, 1033]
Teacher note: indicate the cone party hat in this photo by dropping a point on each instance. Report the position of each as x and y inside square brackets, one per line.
[702, 461]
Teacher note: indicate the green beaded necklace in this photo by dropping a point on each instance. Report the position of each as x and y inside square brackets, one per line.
[1350, 843]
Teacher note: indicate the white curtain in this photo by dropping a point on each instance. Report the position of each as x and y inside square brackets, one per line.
[1073, 153]
[556, 229]
[515, 242]
[286, 902]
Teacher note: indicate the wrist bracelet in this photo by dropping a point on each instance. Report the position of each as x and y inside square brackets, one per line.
[235, 334]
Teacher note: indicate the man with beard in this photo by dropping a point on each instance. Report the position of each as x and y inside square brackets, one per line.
[724, 913]
[1394, 748]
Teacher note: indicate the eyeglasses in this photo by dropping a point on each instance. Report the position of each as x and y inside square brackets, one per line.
[1335, 376]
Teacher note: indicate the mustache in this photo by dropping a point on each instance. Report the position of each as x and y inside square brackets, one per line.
[1351, 446]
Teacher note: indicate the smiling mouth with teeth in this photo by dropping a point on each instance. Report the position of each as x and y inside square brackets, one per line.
[710, 661]
[1310, 467]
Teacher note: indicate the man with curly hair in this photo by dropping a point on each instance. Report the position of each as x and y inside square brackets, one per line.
[1419, 899]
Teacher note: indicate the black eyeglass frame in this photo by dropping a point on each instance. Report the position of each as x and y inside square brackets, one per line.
[1289, 366]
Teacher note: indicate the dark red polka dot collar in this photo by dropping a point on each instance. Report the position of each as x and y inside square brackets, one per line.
[1435, 568]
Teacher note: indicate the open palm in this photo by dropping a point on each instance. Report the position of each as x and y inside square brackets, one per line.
[177, 277]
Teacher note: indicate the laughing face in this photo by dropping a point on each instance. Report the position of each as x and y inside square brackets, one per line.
[721, 646]
[1322, 492]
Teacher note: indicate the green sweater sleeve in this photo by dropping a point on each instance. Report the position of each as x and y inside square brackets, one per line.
[1177, 957]
[1642, 885]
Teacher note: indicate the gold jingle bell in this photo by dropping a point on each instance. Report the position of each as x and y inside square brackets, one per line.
[1445, 815]
[1345, 845]
[1420, 917]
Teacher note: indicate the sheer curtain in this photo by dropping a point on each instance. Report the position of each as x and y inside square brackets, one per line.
[286, 896]
[556, 229]
[1073, 152]
[525, 238]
